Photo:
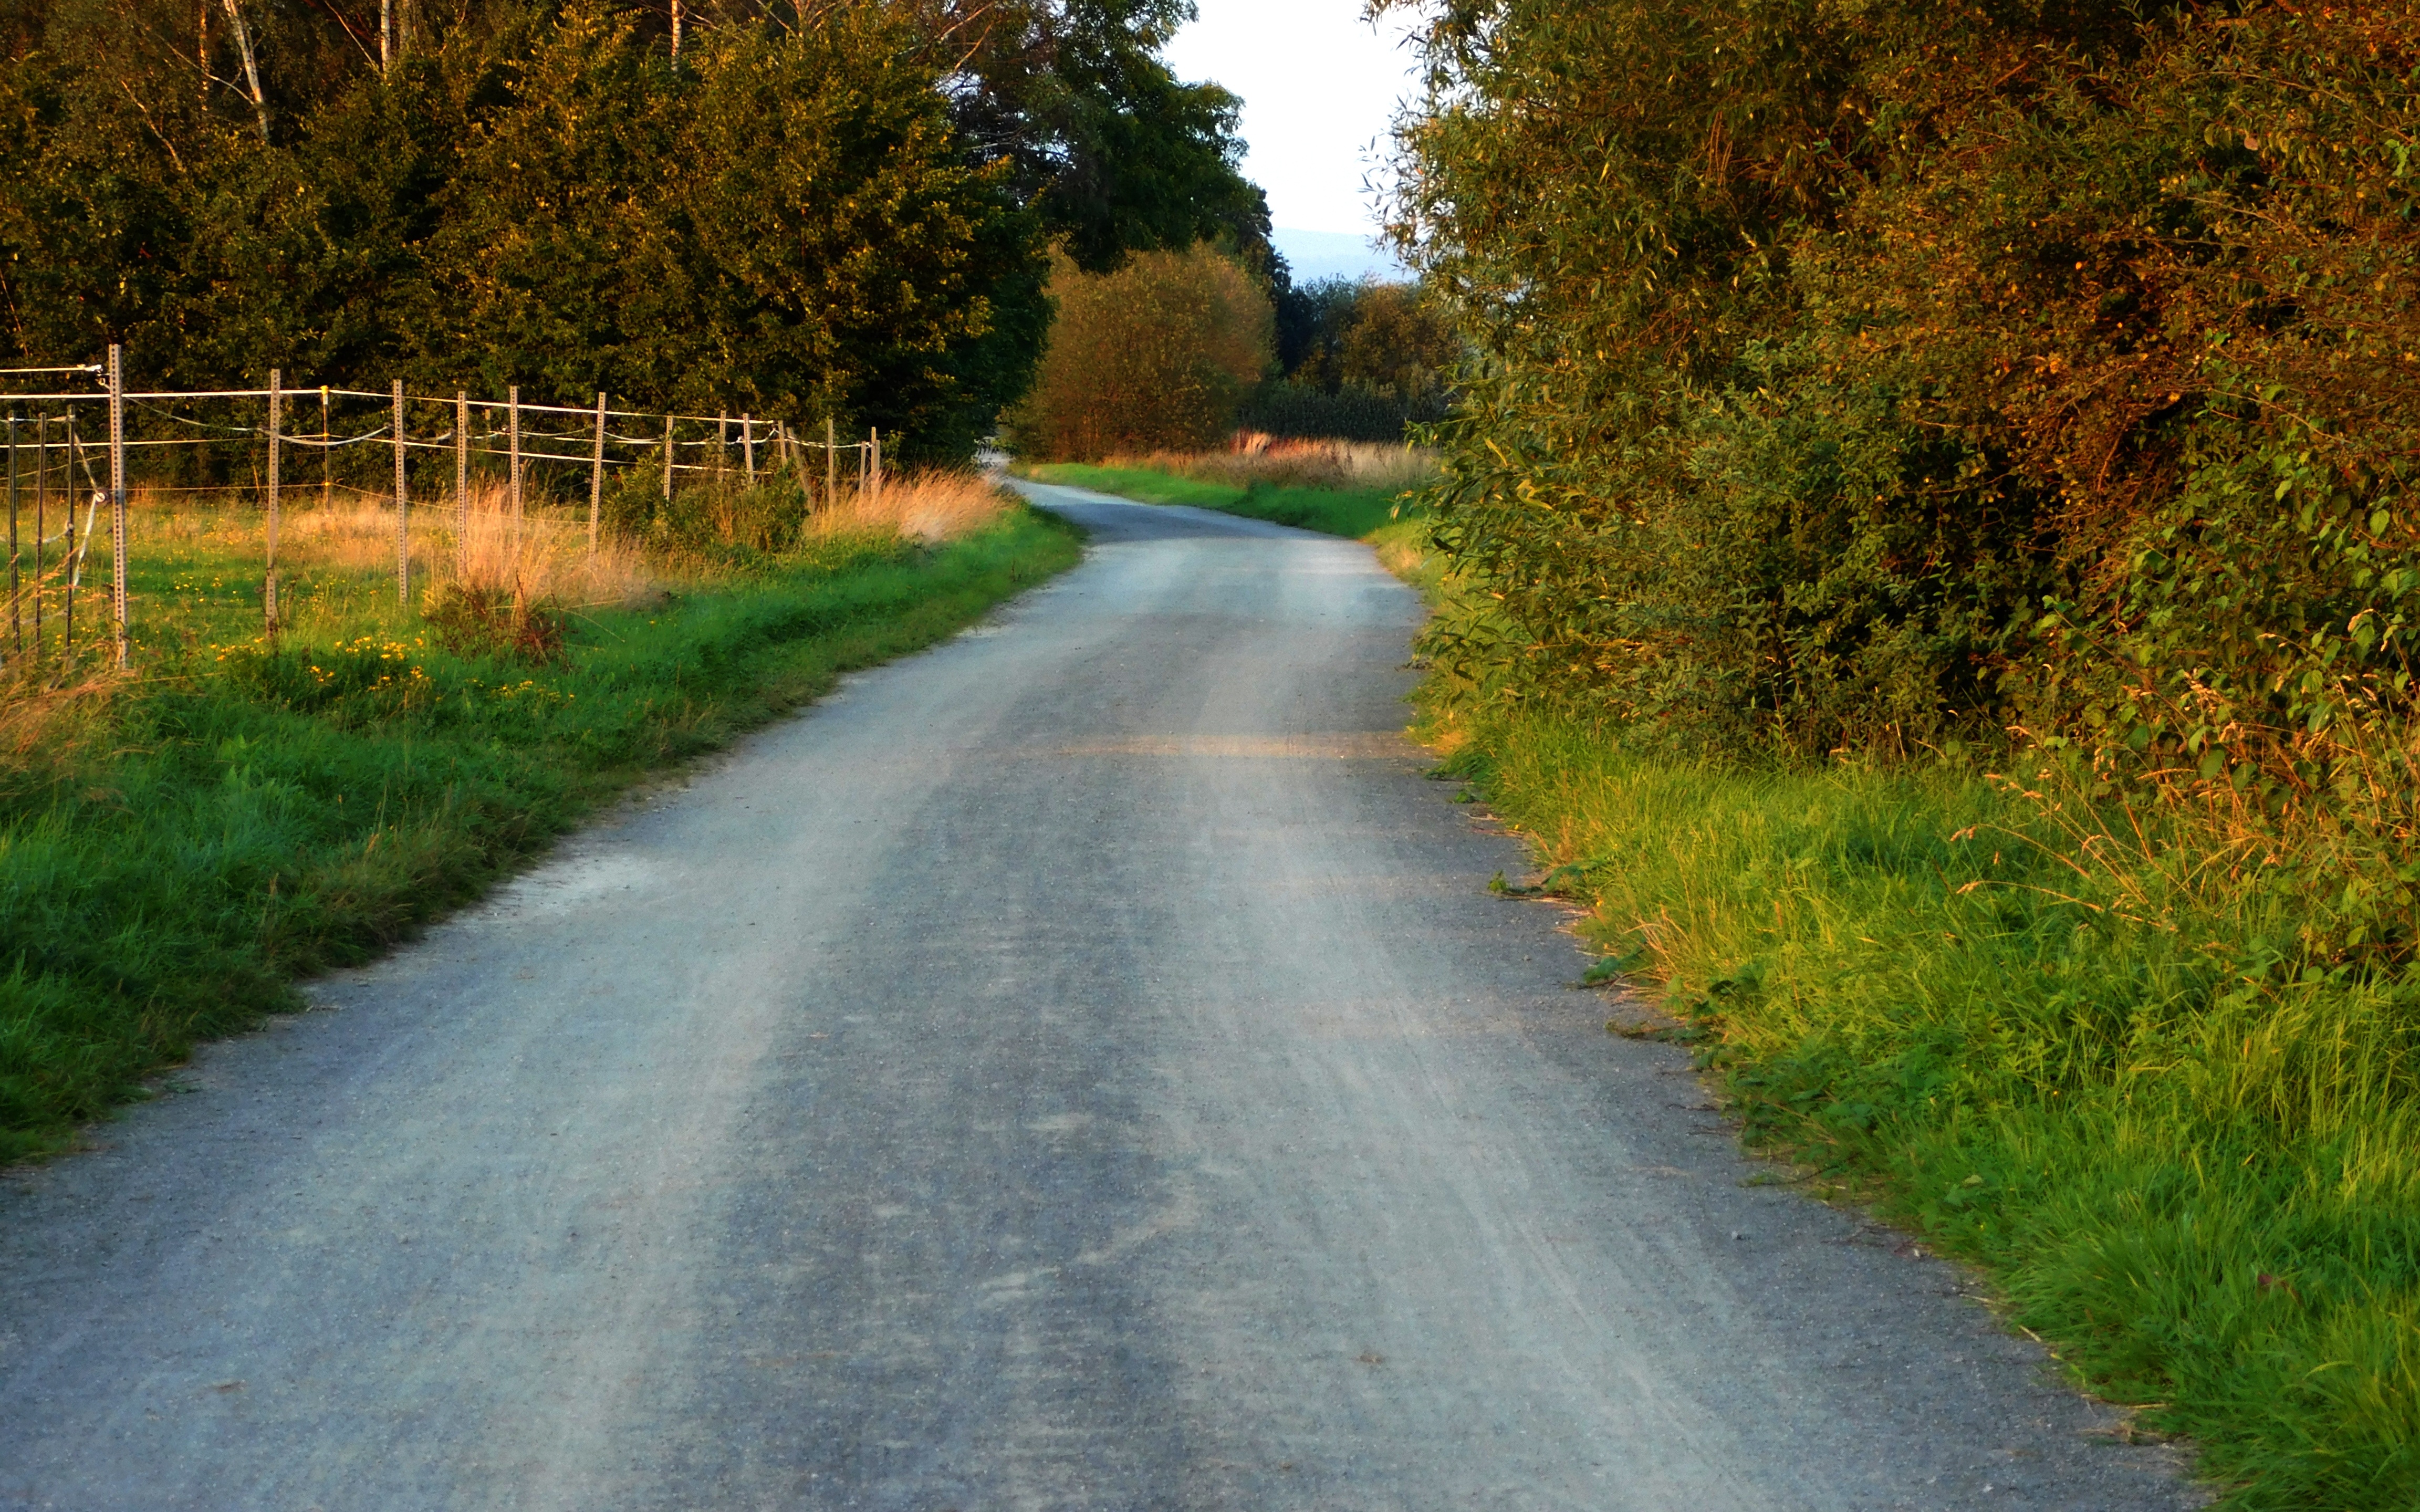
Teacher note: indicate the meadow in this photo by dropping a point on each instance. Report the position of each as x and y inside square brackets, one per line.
[181, 843]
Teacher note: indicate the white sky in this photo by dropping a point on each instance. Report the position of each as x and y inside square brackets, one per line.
[1319, 85]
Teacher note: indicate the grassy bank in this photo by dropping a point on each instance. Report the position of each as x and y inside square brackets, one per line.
[2069, 1043]
[1353, 490]
[1352, 512]
[175, 849]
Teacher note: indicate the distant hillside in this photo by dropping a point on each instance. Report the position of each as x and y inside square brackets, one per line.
[1311, 256]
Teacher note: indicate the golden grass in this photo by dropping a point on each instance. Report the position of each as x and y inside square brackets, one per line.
[928, 506]
[541, 557]
[1277, 462]
[41, 724]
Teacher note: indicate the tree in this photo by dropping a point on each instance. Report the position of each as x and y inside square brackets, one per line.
[1154, 356]
[1112, 150]
[817, 207]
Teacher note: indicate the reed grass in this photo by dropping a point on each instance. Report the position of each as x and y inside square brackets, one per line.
[541, 556]
[929, 506]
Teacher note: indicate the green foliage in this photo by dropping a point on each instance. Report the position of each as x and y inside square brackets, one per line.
[1351, 412]
[1361, 362]
[1880, 336]
[1154, 356]
[836, 212]
[1111, 148]
[1872, 382]
[173, 857]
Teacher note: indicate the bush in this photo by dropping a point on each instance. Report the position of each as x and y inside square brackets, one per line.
[1908, 374]
[1350, 412]
[1154, 356]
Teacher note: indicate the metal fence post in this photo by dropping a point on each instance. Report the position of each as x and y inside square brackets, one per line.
[276, 424]
[402, 510]
[513, 432]
[16, 620]
[118, 542]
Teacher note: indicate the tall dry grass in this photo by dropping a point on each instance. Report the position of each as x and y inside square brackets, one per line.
[539, 557]
[1352, 466]
[928, 506]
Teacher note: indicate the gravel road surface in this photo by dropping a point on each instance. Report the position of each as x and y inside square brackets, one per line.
[1079, 1067]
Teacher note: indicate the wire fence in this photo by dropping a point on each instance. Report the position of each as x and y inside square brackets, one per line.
[79, 446]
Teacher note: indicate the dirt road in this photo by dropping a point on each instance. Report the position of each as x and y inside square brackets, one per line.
[1076, 1067]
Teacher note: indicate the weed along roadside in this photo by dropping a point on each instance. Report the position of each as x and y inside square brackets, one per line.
[2023, 1029]
[185, 841]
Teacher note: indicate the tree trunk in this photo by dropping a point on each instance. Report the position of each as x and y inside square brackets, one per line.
[251, 68]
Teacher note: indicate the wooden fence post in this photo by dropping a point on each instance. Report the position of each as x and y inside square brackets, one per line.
[596, 475]
[668, 457]
[118, 543]
[874, 445]
[402, 512]
[276, 424]
[831, 465]
[748, 444]
[327, 454]
[461, 465]
[722, 447]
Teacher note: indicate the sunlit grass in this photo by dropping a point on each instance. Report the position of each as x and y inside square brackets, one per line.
[179, 843]
[2062, 1040]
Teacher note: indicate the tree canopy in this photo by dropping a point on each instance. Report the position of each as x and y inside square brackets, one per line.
[804, 210]
[1902, 372]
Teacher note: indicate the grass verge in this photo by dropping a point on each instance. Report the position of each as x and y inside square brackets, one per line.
[176, 849]
[2049, 1037]
[1367, 514]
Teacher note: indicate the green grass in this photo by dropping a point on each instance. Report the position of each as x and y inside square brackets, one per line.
[1354, 513]
[176, 851]
[1360, 514]
[2189, 1164]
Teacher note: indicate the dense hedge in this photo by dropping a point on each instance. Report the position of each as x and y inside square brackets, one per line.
[1888, 374]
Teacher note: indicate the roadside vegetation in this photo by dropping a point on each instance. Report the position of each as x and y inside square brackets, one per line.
[1934, 565]
[1360, 490]
[1173, 352]
[178, 846]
